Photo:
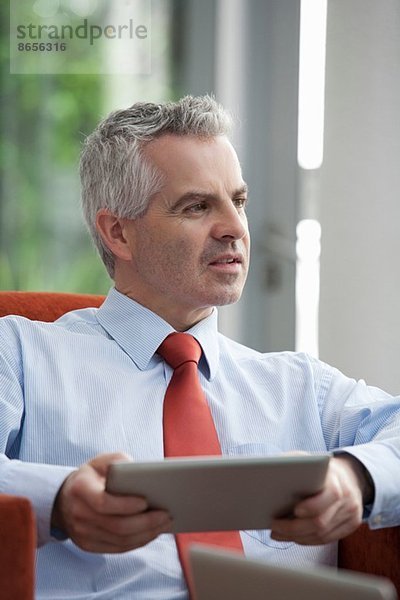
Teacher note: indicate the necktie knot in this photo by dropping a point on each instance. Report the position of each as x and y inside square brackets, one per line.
[179, 348]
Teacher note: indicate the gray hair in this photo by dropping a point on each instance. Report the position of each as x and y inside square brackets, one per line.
[115, 173]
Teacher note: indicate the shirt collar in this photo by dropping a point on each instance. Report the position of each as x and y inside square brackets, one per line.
[139, 332]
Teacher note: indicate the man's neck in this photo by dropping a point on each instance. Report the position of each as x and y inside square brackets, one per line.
[180, 318]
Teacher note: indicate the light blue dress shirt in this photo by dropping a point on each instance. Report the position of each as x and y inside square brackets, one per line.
[92, 383]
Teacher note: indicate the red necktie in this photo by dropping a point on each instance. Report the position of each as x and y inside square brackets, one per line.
[189, 430]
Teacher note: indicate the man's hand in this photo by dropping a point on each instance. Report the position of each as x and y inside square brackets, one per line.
[101, 522]
[333, 513]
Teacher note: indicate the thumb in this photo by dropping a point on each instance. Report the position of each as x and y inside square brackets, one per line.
[101, 462]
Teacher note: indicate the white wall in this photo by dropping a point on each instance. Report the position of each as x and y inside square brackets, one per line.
[360, 192]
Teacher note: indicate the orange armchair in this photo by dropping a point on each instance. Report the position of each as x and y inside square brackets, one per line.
[376, 552]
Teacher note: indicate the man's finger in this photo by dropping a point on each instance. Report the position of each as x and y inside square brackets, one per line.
[316, 505]
[101, 462]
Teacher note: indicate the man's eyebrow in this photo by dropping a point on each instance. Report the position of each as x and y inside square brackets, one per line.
[242, 190]
[194, 195]
[201, 195]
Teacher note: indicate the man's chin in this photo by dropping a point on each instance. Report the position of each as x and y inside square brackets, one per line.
[228, 298]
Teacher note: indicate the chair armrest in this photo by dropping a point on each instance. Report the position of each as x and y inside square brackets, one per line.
[372, 551]
[17, 548]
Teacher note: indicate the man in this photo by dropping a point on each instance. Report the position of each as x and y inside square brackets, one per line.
[165, 200]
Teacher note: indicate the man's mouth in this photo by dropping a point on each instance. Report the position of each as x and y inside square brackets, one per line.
[227, 262]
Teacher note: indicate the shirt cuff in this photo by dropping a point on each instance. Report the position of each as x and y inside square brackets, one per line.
[381, 461]
[369, 484]
[40, 484]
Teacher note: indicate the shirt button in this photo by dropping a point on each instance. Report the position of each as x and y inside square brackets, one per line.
[377, 520]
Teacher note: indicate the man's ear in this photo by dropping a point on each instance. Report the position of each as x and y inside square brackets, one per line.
[112, 230]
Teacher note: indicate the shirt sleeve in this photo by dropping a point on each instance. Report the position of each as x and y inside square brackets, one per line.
[365, 422]
[37, 482]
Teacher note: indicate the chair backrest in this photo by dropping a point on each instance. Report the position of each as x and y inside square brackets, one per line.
[44, 306]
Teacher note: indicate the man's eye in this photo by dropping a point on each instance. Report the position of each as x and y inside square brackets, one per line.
[240, 202]
[197, 208]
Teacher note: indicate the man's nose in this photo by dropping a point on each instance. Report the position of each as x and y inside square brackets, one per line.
[230, 223]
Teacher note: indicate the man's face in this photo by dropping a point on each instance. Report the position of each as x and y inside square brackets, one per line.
[190, 250]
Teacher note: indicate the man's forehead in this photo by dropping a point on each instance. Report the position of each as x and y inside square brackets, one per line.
[204, 166]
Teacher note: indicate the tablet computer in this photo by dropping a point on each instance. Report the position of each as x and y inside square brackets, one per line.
[221, 493]
[222, 575]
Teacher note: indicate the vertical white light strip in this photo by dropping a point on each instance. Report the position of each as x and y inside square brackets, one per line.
[308, 250]
[313, 15]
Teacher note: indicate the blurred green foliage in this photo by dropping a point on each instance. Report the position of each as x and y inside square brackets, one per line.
[44, 244]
